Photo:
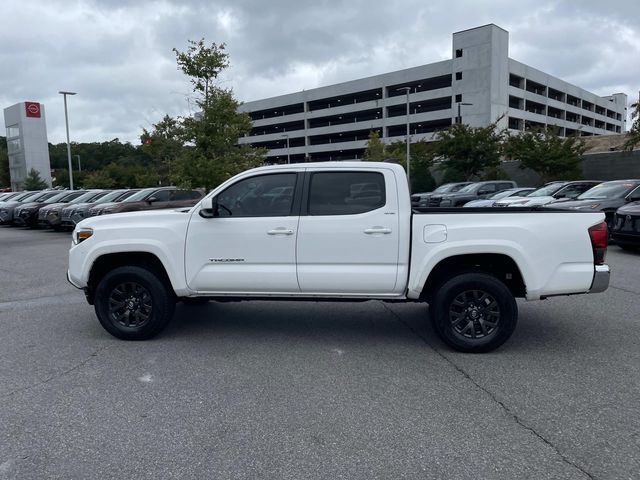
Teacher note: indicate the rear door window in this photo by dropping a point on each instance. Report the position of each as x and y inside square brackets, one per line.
[345, 193]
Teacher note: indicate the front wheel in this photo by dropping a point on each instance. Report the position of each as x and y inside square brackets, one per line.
[474, 312]
[132, 303]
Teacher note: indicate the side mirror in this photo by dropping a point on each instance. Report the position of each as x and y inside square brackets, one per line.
[207, 207]
[633, 198]
[152, 199]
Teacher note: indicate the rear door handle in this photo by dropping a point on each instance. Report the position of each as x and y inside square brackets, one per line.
[280, 231]
[377, 230]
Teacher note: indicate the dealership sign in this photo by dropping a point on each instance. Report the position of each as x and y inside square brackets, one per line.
[32, 109]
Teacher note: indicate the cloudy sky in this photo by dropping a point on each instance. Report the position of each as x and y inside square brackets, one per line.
[117, 54]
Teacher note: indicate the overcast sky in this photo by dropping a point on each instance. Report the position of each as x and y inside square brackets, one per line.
[117, 54]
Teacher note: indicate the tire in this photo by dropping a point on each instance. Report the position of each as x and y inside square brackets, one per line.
[132, 303]
[474, 312]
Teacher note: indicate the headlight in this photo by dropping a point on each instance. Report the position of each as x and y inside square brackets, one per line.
[80, 235]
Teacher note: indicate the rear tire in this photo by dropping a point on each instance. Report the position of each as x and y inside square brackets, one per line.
[132, 303]
[474, 312]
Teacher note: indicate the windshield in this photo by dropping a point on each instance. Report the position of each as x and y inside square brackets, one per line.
[608, 190]
[547, 190]
[28, 196]
[469, 188]
[443, 188]
[45, 196]
[63, 197]
[110, 196]
[505, 193]
[140, 195]
[125, 195]
[86, 197]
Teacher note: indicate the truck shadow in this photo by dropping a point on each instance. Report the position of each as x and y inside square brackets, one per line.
[344, 322]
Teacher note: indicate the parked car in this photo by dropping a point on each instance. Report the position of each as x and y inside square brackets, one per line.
[27, 213]
[422, 199]
[325, 242]
[551, 192]
[489, 202]
[79, 211]
[606, 197]
[475, 191]
[626, 225]
[7, 209]
[154, 199]
[50, 216]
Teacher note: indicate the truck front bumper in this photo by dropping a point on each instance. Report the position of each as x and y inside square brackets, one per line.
[600, 279]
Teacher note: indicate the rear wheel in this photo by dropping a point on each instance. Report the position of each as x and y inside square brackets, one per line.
[474, 312]
[132, 303]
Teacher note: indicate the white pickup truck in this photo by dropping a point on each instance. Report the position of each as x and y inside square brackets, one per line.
[336, 230]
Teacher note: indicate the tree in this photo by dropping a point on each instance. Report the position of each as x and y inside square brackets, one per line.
[164, 145]
[421, 154]
[544, 151]
[34, 182]
[203, 64]
[213, 153]
[634, 132]
[468, 151]
[376, 150]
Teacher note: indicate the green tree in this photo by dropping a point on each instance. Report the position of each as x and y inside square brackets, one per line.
[213, 154]
[634, 132]
[100, 179]
[376, 149]
[5, 179]
[421, 154]
[544, 151]
[33, 181]
[467, 152]
[164, 145]
[202, 64]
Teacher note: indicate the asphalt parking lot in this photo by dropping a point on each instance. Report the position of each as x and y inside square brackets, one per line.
[256, 390]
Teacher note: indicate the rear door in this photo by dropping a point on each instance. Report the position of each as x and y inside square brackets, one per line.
[348, 233]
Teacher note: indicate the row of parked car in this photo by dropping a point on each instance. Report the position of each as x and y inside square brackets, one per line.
[63, 209]
[618, 199]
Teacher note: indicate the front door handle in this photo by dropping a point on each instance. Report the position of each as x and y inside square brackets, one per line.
[377, 230]
[280, 231]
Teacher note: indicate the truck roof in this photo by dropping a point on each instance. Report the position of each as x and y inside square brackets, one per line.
[332, 165]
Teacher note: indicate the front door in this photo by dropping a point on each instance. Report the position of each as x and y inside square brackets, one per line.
[348, 238]
[249, 246]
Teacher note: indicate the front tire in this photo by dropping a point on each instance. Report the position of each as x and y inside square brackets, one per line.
[132, 303]
[474, 312]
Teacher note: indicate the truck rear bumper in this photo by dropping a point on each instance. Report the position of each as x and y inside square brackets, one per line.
[600, 279]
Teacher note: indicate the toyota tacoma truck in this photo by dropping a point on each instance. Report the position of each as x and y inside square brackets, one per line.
[310, 231]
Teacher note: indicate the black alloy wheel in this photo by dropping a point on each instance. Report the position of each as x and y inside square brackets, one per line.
[474, 312]
[130, 305]
[134, 303]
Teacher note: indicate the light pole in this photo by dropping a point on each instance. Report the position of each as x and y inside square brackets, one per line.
[407, 90]
[288, 156]
[79, 164]
[66, 121]
[459, 117]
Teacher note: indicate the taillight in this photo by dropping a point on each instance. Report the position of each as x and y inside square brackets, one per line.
[599, 235]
